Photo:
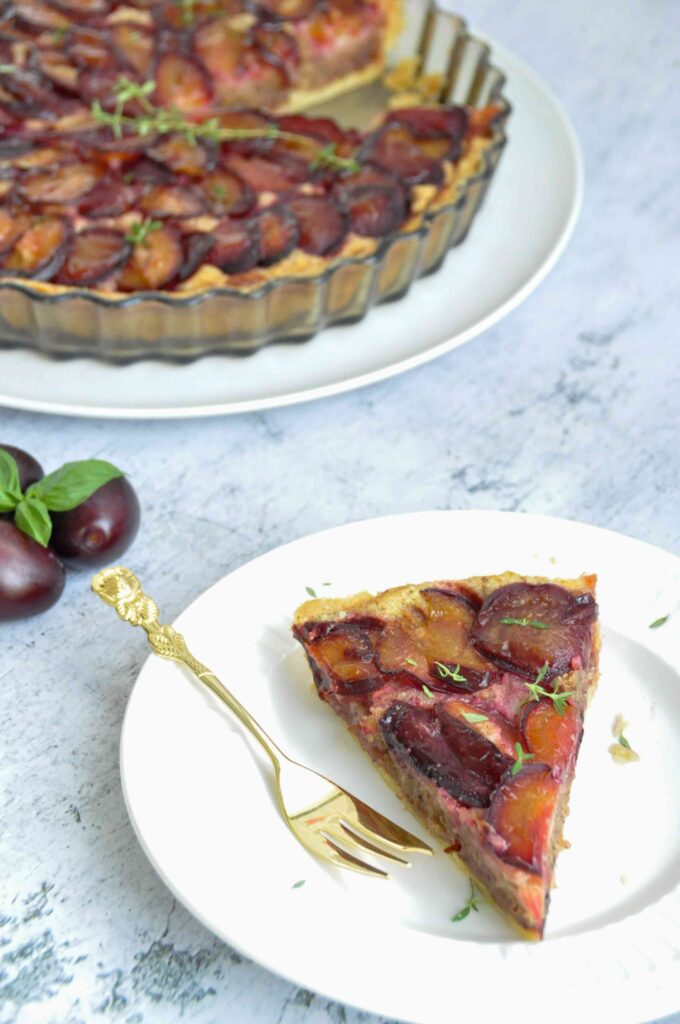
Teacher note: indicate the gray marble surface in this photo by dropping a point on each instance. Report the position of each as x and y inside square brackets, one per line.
[568, 407]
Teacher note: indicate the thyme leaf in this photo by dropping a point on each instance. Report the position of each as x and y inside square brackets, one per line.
[444, 672]
[138, 233]
[471, 904]
[534, 623]
[522, 757]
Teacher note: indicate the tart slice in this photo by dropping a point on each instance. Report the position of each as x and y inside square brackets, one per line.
[469, 695]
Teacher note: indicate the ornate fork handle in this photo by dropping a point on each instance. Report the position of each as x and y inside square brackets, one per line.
[120, 588]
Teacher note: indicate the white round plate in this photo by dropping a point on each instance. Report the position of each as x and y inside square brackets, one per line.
[200, 797]
[525, 224]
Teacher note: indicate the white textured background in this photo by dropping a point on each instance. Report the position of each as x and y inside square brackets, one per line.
[569, 407]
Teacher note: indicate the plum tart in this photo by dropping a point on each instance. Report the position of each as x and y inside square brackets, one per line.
[469, 695]
[201, 54]
[135, 198]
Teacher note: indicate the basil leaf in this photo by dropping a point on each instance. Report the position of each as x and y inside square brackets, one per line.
[73, 483]
[8, 502]
[10, 488]
[32, 518]
[462, 914]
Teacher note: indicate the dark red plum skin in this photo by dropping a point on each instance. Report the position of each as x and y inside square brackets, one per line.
[31, 576]
[448, 752]
[30, 470]
[101, 529]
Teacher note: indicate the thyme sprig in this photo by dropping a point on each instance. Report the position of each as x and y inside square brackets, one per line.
[444, 672]
[470, 905]
[153, 120]
[558, 697]
[522, 757]
[139, 232]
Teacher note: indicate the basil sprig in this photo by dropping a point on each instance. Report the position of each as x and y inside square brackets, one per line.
[72, 484]
[60, 491]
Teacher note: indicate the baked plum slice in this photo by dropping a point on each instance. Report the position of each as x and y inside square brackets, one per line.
[108, 198]
[279, 234]
[552, 738]
[323, 225]
[550, 626]
[227, 193]
[476, 751]
[134, 47]
[262, 174]
[394, 146]
[321, 128]
[41, 249]
[432, 645]
[375, 211]
[38, 15]
[182, 84]
[196, 247]
[60, 185]
[11, 228]
[312, 136]
[54, 66]
[94, 254]
[343, 653]
[147, 172]
[154, 262]
[444, 750]
[90, 48]
[370, 175]
[235, 246]
[179, 155]
[31, 95]
[493, 725]
[277, 48]
[522, 813]
[438, 133]
[175, 201]
[431, 122]
[231, 56]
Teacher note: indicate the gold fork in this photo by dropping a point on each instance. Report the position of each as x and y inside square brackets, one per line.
[324, 817]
